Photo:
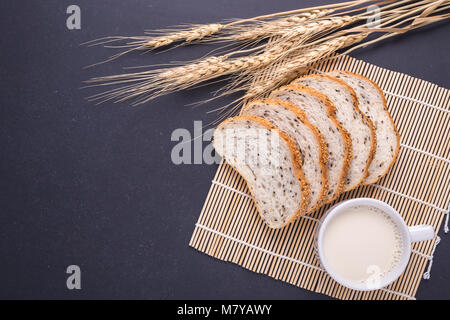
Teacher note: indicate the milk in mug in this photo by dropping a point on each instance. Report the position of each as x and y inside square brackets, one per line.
[362, 243]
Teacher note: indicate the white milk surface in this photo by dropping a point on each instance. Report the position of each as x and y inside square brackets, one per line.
[360, 242]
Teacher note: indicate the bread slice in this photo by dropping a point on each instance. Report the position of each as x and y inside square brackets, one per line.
[268, 159]
[313, 150]
[373, 104]
[321, 113]
[349, 115]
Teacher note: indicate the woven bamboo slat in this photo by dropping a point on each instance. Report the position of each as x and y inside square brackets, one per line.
[418, 186]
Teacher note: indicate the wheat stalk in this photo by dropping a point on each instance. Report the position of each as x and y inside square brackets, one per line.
[200, 32]
[244, 30]
[187, 36]
[290, 40]
[303, 37]
[287, 70]
[265, 29]
[290, 69]
[150, 84]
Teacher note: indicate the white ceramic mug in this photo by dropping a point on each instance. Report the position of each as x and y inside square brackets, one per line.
[409, 235]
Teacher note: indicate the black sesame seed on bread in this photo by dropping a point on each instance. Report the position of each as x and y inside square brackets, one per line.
[312, 146]
[349, 115]
[269, 164]
[321, 113]
[373, 104]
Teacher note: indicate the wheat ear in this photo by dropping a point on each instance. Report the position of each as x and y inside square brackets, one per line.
[286, 42]
[188, 36]
[150, 84]
[289, 69]
[149, 43]
[265, 29]
[283, 72]
[199, 32]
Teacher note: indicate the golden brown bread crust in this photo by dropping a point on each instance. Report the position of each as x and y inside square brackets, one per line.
[295, 155]
[323, 150]
[366, 120]
[397, 150]
[331, 109]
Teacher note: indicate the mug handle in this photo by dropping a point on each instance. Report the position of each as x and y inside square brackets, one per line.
[421, 232]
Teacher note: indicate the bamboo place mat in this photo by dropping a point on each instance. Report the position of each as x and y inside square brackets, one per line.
[230, 229]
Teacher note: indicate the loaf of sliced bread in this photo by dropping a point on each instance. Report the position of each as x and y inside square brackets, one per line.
[349, 115]
[373, 104]
[313, 150]
[321, 113]
[268, 159]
